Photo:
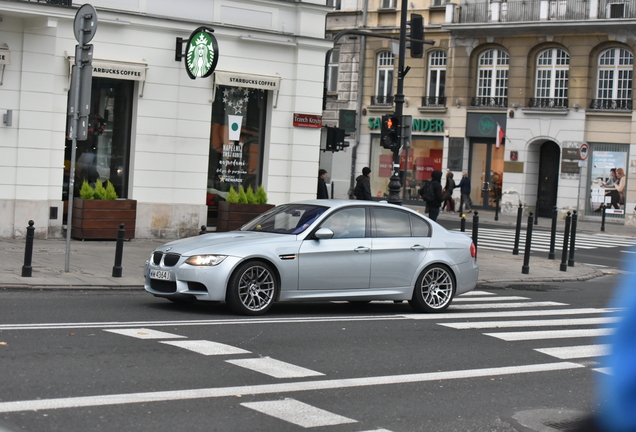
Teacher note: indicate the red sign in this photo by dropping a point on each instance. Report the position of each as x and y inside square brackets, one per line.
[307, 120]
[424, 166]
[386, 165]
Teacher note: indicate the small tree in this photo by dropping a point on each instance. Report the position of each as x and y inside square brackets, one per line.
[87, 192]
[100, 191]
[251, 198]
[261, 195]
[110, 191]
[232, 196]
[242, 196]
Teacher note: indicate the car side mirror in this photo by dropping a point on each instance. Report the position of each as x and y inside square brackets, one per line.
[323, 233]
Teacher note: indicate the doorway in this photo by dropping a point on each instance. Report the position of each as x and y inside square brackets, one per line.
[549, 160]
[486, 173]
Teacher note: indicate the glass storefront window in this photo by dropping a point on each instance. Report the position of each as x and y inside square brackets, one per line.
[486, 174]
[105, 155]
[236, 141]
[416, 165]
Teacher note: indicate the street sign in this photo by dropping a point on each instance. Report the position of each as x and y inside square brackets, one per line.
[85, 24]
[584, 150]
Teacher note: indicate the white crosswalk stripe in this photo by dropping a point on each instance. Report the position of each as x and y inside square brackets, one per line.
[551, 334]
[207, 348]
[274, 368]
[574, 352]
[503, 240]
[144, 333]
[298, 413]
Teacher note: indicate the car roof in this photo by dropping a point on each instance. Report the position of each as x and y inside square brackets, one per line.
[337, 203]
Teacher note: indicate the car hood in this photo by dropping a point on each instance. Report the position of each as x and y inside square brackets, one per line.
[227, 243]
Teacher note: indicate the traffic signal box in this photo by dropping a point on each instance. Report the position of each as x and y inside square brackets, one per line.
[390, 132]
[335, 139]
[416, 33]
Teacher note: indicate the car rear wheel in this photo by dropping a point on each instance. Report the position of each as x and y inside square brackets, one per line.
[434, 289]
[252, 288]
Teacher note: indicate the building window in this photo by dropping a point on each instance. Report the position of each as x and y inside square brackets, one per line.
[492, 79]
[553, 67]
[614, 85]
[384, 86]
[332, 70]
[387, 4]
[436, 79]
[336, 4]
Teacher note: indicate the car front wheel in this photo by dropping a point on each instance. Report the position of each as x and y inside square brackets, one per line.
[252, 288]
[434, 289]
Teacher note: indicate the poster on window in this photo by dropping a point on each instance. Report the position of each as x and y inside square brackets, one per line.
[608, 175]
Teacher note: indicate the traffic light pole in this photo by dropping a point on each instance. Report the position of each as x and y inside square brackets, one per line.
[395, 184]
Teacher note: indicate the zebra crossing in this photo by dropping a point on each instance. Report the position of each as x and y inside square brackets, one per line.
[501, 239]
[594, 323]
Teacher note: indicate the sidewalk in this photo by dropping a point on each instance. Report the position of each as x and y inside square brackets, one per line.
[91, 262]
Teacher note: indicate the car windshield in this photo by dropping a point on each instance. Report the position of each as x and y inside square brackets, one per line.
[286, 219]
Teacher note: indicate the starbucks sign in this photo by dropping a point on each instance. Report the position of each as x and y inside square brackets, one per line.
[202, 53]
[481, 125]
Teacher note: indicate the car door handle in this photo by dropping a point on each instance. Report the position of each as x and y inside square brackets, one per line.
[362, 249]
[418, 247]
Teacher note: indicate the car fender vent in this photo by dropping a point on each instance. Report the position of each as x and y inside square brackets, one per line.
[287, 257]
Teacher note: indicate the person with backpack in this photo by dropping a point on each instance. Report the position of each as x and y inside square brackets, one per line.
[431, 193]
[363, 186]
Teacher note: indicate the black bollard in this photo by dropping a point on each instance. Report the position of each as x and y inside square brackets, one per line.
[119, 251]
[515, 249]
[497, 209]
[462, 224]
[566, 235]
[603, 217]
[536, 219]
[475, 231]
[526, 256]
[555, 213]
[461, 205]
[27, 270]
[204, 230]
[572, 239]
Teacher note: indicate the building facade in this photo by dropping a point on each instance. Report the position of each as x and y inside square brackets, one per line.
[172, 143]
[554, 77]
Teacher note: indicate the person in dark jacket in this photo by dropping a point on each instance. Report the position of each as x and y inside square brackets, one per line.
[434, 205]
[363, 186]
[449, 202]
[464, 187]
[322, 193]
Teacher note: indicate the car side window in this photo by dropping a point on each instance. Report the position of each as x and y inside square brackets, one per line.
[347, 223]
[391, 223]
[419, 227]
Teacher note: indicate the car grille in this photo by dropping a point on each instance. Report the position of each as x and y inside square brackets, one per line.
[163, 286]
[169, 260]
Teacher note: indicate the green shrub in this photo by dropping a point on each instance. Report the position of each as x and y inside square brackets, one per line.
[251, 198]
[242, 198]
[86, 192]
[232, 196]
[110, 191]
[261, 195]
[100, 191]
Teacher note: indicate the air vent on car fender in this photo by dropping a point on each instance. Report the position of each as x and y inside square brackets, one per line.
[287, 257]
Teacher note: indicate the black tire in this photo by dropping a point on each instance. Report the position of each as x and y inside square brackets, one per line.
[252, 288]
[434, 289]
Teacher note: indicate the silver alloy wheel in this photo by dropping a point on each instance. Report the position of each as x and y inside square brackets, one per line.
[256, 288]
[437, 288]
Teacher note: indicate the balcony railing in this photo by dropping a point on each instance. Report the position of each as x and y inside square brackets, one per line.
[53, 2]
[495, 102]
[612, 104]
[382, 100]
[433, 101]
[556, 103]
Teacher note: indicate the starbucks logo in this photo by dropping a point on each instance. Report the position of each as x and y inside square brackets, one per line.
[487, 126]
[202, 53]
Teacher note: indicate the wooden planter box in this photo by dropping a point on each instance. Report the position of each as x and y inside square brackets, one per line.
[100, 219]
[233, 216]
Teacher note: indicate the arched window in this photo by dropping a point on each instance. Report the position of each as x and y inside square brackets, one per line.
[384, 79]
[553, 68]
[614, 85]
[436, 79]
[492, 79]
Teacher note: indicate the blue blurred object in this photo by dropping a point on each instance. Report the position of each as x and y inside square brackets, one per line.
[618, 387]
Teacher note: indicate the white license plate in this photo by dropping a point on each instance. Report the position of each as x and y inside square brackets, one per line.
[160, 274]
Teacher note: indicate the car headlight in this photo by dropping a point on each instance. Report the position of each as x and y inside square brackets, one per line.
[205, 260]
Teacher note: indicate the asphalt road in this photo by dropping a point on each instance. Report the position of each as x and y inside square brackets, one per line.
[93, 360]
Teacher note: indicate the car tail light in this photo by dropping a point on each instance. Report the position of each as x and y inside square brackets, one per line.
[473, 250]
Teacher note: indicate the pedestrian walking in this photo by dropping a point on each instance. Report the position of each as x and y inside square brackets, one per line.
[449, 202]
[432, 194]
[464, 187]
[363, 186]
[322, 193]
